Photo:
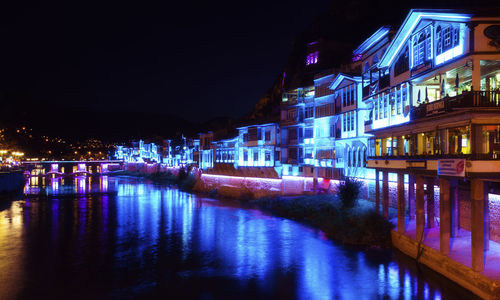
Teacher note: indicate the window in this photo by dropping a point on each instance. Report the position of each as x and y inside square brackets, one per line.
[309, 153]
[352, 120]
[393, 103]
[245, 155]
[375, 107]
[398, 101]
[309, 112]
[386, 100]
[422, 49]
[268, 135]
[352, 95]
[252, 134]
[308, 133]
[344, 128]
[439, 41]
[268, 156]
[447, 36]
[402, 64]
[256, 155]
[312, 58]
[404, 96]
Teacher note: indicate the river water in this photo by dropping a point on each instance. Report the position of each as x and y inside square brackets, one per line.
[106, 237]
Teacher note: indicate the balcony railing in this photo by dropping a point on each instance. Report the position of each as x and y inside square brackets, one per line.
[476, 156]
[464, 100]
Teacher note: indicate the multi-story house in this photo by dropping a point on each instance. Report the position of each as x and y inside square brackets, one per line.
[207, 151]
[139, 152]
[438, 117]
[297, 119]
[226, 151]
[258, 146]
[325, 126]
[348, 90]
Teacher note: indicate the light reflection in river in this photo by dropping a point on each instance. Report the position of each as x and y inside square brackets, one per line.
[140, 239]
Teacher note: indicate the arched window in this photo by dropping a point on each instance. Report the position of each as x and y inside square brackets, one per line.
[348, 157]
[439, 41]
[354, 156]
[364, 157]
[422, 49]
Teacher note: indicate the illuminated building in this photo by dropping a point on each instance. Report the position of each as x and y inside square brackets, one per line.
[225, 151]
[207, 151]
[326, 129]
[183, 151]
[138, 152]
[435, 120]
[258, 146]
[297, 123]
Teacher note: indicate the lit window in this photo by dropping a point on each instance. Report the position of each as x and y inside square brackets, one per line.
[386, 100]
[422, 49]
[312, 58]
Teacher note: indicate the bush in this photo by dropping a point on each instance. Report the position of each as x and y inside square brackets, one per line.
[182, 174]
[348, 192]
[187, 184]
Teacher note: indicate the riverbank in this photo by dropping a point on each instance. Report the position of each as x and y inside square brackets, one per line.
[183, 180]
[360, 225]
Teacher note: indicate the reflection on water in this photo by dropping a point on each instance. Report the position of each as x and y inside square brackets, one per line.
[143, 240]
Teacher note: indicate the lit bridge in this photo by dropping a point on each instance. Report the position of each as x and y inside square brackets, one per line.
[69, 168]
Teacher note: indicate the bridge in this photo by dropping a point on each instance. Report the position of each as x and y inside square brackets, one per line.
[69, 167]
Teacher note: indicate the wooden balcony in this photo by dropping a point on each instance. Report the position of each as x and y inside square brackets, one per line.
[474, 99]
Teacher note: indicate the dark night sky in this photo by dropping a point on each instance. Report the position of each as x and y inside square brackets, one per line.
[197, 60]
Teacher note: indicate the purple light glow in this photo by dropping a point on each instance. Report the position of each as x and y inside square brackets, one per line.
[312, 58]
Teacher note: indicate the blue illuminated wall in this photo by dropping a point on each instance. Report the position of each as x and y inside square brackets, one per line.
[257, 146]
[138, 152]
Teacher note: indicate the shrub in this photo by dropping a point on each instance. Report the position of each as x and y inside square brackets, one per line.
[182, 174]
[187, 184]
[348, 192]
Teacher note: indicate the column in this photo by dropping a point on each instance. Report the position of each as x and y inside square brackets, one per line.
[411, 196]
[401, 202]
[420, 208]
[377, 190]
[478, 195]
[445, 216]
[476, 74]
[430, 202]
[455, 208]
[385, 194]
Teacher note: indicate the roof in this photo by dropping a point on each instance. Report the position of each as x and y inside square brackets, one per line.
[340, 77]
[373, 39]
[409, 24]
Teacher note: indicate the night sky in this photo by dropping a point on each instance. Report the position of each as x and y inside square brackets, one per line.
[196, 60]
